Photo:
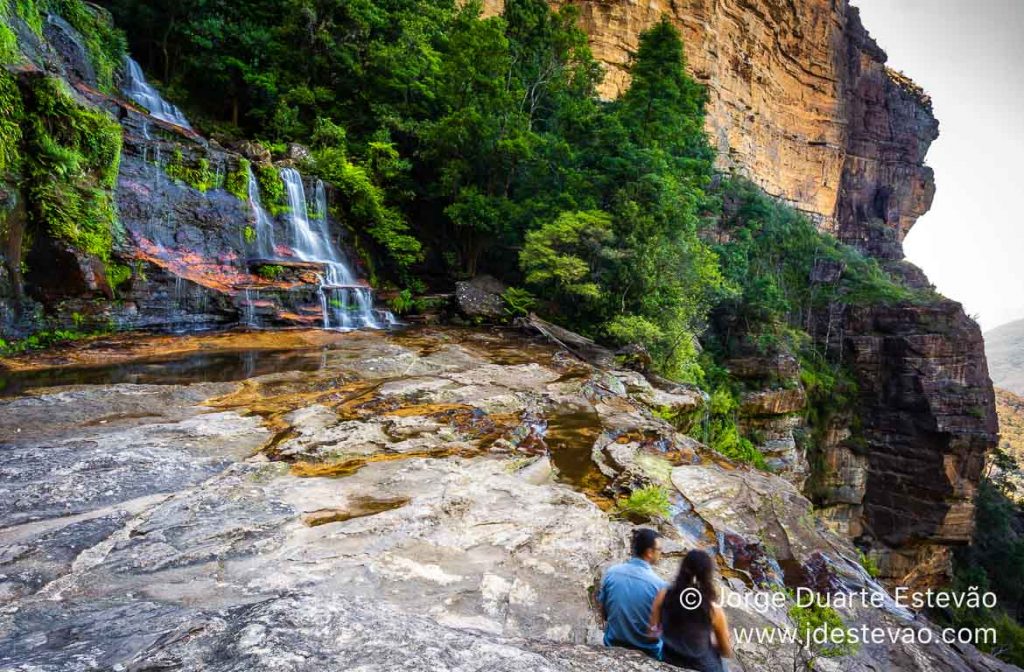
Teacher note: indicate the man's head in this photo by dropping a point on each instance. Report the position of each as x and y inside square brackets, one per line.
[647, 545]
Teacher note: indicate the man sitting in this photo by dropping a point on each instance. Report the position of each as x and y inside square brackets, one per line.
[627, 592]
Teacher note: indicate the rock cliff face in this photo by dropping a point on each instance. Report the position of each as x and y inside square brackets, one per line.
[802, 103]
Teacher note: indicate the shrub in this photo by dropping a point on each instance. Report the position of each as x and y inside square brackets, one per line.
[518, 302]
[645, 503]
[270, 271]
[402, 302]
[811, 617]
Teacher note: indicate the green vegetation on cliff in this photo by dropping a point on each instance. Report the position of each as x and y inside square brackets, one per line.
[71, 157]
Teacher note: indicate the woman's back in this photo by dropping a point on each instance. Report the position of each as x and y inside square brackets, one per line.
[686, 634]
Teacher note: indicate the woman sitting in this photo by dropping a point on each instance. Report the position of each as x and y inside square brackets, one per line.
[693, 629]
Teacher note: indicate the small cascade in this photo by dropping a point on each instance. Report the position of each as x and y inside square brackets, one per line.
[138, 89]
[264, 227]
[249, 308]
[346, 304]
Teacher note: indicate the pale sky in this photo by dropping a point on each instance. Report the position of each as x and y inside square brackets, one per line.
[969, 56]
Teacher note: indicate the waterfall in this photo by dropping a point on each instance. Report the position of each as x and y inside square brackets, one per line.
[264, 227]
[249, 308]
[138, 89]
[346, 304]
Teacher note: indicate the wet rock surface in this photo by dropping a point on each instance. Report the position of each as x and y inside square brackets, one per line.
[436, 499]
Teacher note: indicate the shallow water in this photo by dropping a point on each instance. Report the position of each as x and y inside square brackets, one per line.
[570, 436]
[197, 367]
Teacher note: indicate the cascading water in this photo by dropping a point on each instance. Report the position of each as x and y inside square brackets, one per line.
[138, 89]
[346, 304]
[264, 228]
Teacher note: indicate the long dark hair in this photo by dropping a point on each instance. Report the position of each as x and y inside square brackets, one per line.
[696, 571]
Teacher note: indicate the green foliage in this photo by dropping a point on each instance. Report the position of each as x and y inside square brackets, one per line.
[72, 158]
[811, 617]
[364, 204]
[869, 564]
[645, 503]
[272, 192]
[403, 302]
[249, 234]
[518, 302]
[562, 255]
[270, 271]
[774, 255]
[200, 176]
[237, 181]
[722, 432]
[44, 339]
[118, 275]
[11, 115]
[9, 52]
[994, 561]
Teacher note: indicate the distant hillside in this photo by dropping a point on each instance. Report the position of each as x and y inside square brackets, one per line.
[1011, 423]
[1004, 347]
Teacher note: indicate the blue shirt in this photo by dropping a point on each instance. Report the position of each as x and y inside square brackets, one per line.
[627, 592]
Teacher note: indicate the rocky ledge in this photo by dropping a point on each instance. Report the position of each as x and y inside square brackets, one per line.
[432, 500]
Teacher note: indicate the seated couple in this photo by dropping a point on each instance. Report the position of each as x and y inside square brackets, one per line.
[679, 623]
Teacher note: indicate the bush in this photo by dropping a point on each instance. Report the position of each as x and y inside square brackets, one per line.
[814, 616]
[402, 302]
[518, 302]
[645, 503]
[270, 271]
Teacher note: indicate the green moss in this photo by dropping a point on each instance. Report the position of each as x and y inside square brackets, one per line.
[272, 190]
[118, 275]
[249, 234]
[237, 181]
[11, 115]
[29, 13]
[72, 157]
[9, 52]
[200, 176]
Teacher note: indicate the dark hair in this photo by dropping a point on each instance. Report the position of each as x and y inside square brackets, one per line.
[643, 539]
[697, 570]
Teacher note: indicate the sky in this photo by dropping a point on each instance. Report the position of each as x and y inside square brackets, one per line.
[969, 57]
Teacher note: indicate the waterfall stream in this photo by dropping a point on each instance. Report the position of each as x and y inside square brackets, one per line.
[346, 303]
[138, 89]
[264, 228]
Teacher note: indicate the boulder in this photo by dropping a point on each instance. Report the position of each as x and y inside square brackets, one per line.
[481, 297]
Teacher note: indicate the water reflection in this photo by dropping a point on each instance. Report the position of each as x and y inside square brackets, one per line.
[192, 368]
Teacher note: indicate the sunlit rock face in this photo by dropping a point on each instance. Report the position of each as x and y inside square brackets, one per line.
[800, 101]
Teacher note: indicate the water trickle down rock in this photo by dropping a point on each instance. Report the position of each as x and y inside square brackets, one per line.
[138, 89]
[346, 302]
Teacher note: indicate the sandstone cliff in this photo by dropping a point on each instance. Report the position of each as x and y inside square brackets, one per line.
[802, 102]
